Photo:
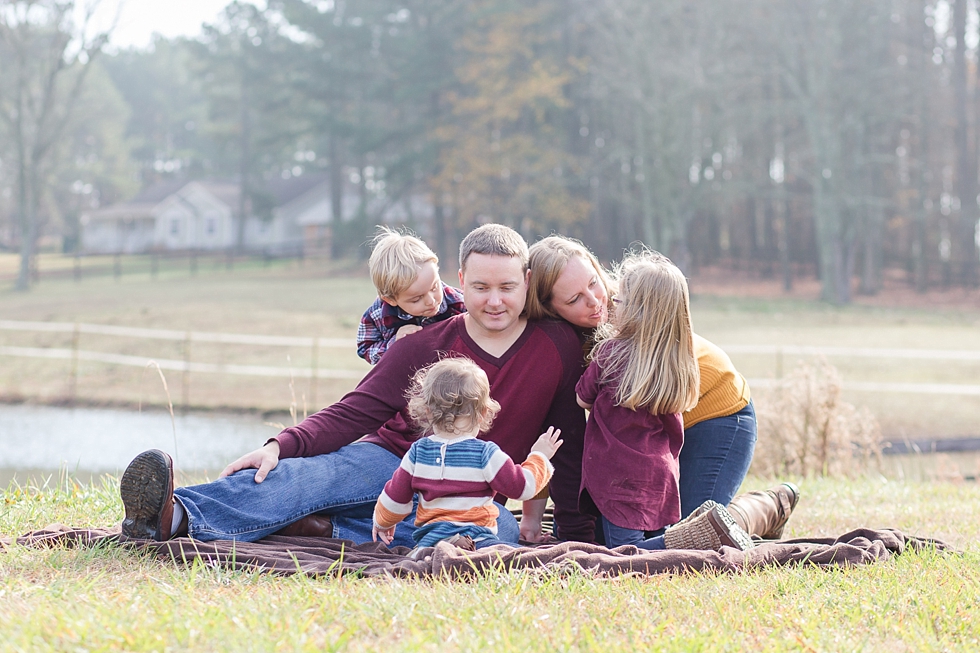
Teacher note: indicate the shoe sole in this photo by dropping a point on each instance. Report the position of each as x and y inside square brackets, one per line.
[794, 491]
[792, 487]
[730, 533]
[144, 487]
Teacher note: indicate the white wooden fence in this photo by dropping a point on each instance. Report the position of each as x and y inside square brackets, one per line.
[186, 365]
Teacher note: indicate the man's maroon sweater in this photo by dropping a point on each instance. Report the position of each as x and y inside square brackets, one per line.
[534, 382]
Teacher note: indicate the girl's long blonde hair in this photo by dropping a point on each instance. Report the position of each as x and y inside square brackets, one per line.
[648, 347]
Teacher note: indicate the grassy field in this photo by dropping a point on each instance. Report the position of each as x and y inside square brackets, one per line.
[312, 299]
[111, 599]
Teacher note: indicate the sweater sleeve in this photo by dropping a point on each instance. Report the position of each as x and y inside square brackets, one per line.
[371, 341]
[395, 502]
[588, 386]
[520, 482]
[377, 398]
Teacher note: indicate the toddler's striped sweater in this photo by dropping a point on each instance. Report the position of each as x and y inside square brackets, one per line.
[456, 481]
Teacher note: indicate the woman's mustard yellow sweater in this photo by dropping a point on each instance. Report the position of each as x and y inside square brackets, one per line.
[723, 391]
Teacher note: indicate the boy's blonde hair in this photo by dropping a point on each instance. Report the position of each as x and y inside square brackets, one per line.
[495, 240]
[395, 261]
[453, 395]
[548, 258]
[649, 345]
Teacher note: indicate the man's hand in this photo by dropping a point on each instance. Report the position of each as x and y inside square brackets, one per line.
[532, 514]
[406, 330]
[263, 459]
[548, 443]
[386, 534]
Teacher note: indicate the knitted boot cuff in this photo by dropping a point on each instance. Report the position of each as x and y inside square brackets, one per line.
[695, 533]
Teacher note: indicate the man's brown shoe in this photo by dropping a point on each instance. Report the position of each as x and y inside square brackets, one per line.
[147, 491]
[765, 513]
[310, 526]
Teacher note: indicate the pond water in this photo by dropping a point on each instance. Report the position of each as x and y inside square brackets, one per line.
[42, 441]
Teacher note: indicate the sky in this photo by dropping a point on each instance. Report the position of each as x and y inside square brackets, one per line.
[139, 19]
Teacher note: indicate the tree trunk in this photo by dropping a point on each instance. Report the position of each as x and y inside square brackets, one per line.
[966, 161]
[650, 229]
[871, 255]
[28, 238]
[244, 190]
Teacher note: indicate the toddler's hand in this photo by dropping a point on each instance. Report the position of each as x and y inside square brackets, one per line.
[406, 330]
[386, 534]
[548, 443]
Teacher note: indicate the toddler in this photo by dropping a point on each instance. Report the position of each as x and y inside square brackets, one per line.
[410, 293]
[455, 474]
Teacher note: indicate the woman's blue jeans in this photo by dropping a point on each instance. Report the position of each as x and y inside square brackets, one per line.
[715, 458]
[344, 484]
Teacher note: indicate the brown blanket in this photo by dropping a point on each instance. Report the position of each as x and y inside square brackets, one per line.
[317, 556]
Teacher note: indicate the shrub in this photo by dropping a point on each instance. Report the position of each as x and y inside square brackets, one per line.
[805, 429]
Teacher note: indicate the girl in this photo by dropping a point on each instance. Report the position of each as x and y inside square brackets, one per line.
[456, 475]
[642, 376]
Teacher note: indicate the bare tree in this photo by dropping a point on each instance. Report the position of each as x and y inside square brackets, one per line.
[46, 51]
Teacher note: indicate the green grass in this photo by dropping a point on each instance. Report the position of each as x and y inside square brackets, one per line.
[112, 599]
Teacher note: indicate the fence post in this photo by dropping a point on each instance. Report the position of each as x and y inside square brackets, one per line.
[314, 373]
[185, 378]
[73, 376]
[153, 265]
[193, 262]
[77, 271]
[117, 266]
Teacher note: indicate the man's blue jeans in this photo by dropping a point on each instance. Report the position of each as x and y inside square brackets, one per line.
[344, 484]
[715, 458]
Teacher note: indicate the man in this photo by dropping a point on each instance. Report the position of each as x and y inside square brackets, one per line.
[336, 462]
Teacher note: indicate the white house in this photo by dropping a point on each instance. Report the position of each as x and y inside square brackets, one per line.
[295, 216]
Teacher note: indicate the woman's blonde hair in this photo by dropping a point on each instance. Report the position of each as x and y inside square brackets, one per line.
[548, 257]
[648, 347]
[453, 395]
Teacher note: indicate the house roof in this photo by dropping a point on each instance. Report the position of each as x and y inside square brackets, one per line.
[158, 192]
[285, 191]
[281, 191]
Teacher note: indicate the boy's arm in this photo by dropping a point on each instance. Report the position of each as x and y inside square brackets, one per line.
[371, 342]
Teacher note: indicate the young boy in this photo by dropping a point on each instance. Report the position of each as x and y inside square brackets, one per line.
[410, 293]
[455, 474]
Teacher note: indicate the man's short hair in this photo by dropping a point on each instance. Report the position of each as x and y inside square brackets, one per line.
[493, 240]
[395, 261]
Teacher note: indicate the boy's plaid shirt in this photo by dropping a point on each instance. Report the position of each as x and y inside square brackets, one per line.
[381, 322]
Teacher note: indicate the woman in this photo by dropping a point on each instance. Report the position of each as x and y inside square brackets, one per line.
[567, 282]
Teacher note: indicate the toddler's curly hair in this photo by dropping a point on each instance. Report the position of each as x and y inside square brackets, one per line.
[452, 395]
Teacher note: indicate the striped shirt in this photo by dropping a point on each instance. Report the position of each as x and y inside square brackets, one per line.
[456, 481]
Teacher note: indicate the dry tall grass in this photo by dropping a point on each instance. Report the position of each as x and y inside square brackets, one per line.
[805, 429]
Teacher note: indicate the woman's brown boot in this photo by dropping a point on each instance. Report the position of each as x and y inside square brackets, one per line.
[765, 513]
